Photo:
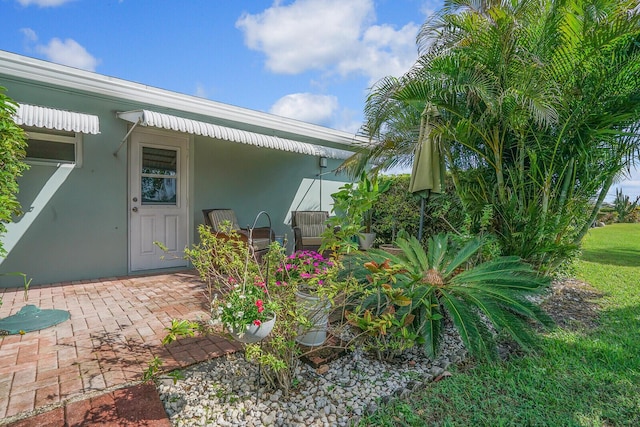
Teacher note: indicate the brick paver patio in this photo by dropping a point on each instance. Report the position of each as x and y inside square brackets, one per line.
[115, 329]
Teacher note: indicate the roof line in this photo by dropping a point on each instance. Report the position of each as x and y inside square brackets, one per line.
[73, 78]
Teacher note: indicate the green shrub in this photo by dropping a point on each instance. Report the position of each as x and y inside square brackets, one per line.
[409, 296]
[12, 151]
[397, 209]
[625, 208]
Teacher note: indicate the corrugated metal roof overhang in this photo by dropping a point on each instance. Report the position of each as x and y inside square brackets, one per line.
[180, 124]
[51, 118]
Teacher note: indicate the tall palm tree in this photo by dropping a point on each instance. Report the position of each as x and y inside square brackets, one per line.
[536, 110]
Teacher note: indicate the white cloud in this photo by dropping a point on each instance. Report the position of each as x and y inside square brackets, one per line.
[429, 7]
[68, 52]
[200, 91]
[331, 35]
[384, 51]
[630, 186]
[307, 107]
[44, 3]
[30, 36]
[323, 110]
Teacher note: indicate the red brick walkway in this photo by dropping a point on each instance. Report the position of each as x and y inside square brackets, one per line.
[115, 329]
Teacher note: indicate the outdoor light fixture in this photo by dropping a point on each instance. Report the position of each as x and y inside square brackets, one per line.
[323, 162]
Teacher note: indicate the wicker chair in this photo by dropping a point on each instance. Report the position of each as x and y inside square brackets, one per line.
[307, 228]
[259, 241]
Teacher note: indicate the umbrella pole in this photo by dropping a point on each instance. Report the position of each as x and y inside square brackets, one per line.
[422, 199]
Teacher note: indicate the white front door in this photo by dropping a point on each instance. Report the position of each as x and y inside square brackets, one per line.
[157, 199]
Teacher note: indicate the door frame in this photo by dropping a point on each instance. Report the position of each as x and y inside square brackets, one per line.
[184, 175]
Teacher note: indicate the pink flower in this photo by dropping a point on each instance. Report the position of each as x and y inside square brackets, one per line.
[257, 322]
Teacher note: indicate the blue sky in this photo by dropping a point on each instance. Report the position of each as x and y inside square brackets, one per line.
[311, 60]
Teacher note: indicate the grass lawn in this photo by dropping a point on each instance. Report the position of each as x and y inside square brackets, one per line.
[577, 377]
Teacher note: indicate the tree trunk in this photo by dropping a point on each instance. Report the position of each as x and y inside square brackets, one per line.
[565, 189]
[594, 213]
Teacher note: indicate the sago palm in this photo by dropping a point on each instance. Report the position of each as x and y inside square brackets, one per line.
[482, 301]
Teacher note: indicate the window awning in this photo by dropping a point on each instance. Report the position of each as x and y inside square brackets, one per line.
[180, 124]
[51, 118]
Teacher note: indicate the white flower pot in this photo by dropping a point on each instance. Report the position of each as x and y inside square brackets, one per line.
[316, 310]
[366, 240]
[253, 333]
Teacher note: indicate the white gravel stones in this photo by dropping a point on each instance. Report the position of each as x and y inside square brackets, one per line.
[224, 392]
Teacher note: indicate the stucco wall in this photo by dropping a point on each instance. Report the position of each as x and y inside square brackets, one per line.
[76, 220]
[249, 180]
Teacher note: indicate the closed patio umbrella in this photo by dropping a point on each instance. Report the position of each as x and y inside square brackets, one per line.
[427, 171]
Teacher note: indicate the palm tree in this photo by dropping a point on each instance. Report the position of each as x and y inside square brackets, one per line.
[534, 104]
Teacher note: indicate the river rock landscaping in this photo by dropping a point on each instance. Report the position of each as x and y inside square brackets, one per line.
[225, 391]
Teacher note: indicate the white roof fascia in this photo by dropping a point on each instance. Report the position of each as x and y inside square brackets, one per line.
[51, 118]
[181, 124]
[68, 77]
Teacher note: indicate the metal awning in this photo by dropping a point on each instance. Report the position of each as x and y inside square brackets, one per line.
[180, 124]
[51, 118]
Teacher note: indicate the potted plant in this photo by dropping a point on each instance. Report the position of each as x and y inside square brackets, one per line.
[353, 204]
[245, 311]
[309, 272]
[238, 289]
[246, 298]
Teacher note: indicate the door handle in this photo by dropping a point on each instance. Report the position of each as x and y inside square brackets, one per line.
[135, 209]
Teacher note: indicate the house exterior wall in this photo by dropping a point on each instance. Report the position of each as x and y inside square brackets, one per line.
[76, 220]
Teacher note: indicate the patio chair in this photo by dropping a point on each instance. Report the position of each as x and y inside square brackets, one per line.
[258, 241]
[307, 228]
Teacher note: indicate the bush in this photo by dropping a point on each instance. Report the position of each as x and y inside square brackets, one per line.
[625, 209]
[12, 151]
[408, 298]
[397, 209]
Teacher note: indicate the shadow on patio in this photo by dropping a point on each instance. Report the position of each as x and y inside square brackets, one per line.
[115, 329]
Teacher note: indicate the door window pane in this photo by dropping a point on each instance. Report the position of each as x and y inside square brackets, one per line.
[159, 178]
[158, 161]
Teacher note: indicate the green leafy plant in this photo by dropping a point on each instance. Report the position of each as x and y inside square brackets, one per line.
[624, 207]
[180, 328]
[352, 207]
[534, 106]
[414, 293]
[152, 370]
[398, 210]
[384, 313]
[243, 291]
[12, 151]
[279, 354]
